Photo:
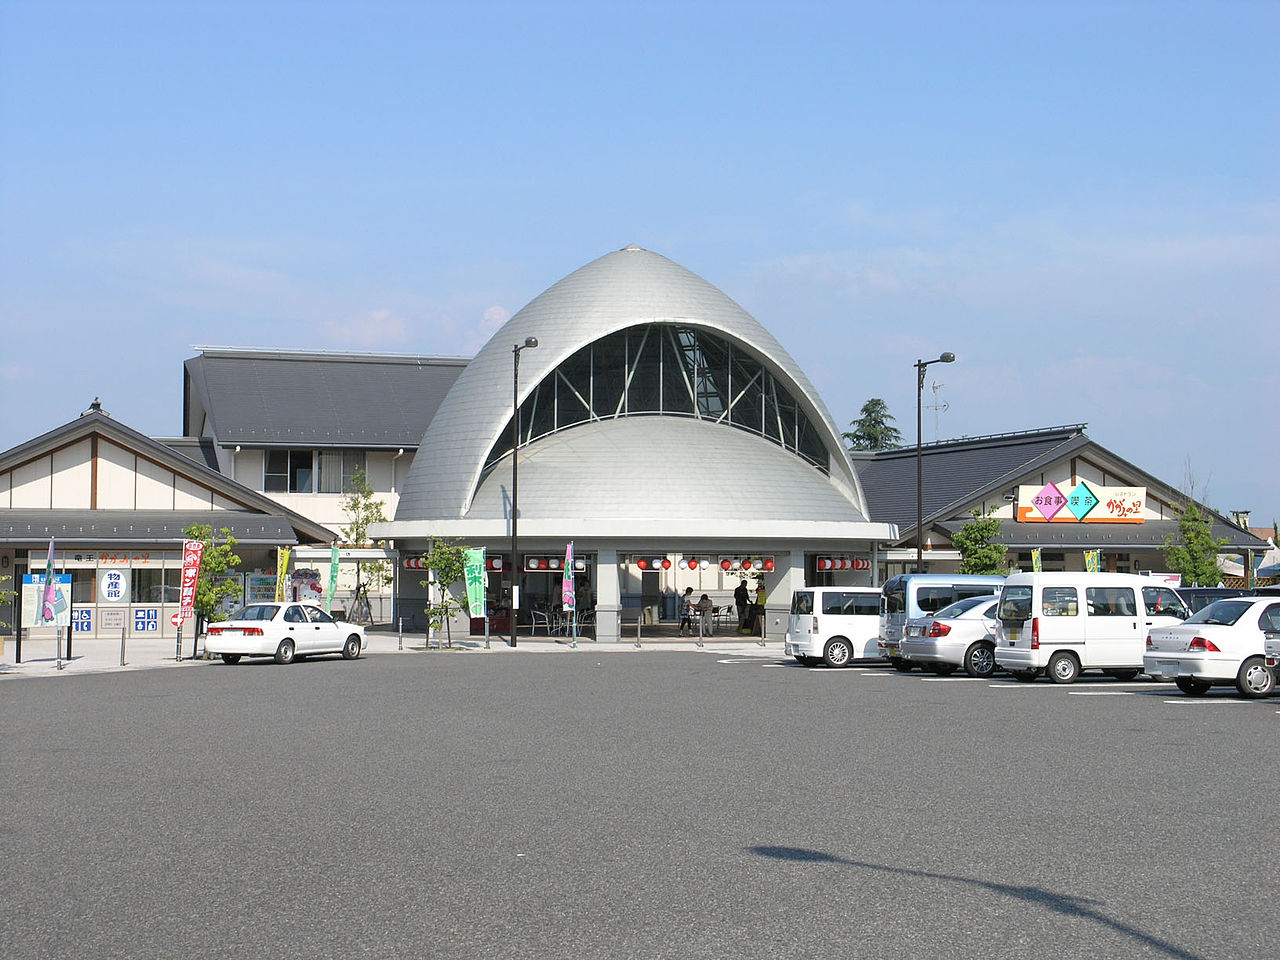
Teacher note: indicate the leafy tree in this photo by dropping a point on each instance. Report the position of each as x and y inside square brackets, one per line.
[6, 595]
[219, 557]
[363, 508]
[447, 562]
[874, 430]
[979, 553]
[1195, 552]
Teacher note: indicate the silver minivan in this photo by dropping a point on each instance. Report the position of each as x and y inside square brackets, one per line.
[834, 624]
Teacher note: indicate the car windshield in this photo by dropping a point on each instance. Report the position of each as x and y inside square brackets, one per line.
[959, 607]
[1222, 612]
[256, 611]
[1015, 603]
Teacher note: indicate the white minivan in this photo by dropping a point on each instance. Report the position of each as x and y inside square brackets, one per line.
[1062, 623]
[834, 624]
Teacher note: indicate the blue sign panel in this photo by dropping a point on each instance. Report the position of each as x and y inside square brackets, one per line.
[82, 620]
[146, 620]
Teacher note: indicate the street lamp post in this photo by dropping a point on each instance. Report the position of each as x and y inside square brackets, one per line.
[515, 476]
[921, 365]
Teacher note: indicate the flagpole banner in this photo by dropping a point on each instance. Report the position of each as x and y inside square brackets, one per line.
[49, 600]
[1035, 560]
[333, 579]
[567, 595]
[475, 576]
[282, 572]
[192, 558]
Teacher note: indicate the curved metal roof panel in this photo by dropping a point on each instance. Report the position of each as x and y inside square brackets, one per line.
[626, 288]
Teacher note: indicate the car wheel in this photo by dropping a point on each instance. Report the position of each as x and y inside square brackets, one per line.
[902, 665]
[1192, 687]
[231, 658]
[1126, 674]
[1025, 676]
[1063, 668]
[1254, 679]
[837, 652]
[980, 660]
[944, 669]
[284, 652]
[351, 649]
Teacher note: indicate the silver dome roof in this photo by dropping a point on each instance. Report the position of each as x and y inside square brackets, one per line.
[626, 288]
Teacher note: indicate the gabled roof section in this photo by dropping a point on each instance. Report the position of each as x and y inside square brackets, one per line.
[199, 449]
[956, 471]
[89, 424]
[282, 398]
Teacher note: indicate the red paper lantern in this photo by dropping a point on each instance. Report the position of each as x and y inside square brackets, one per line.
[746, 564]
[725, 564]
[642, 564]
[768, 564]
[666, 563]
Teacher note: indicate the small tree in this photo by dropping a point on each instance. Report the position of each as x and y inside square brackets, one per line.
[979, 551]
[6, 595]
[363, 508]
[874, 430]
[1195, 552]
[219, 557]
[447, 562]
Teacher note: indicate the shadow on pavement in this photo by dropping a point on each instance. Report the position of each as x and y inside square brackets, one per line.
[1060, 903]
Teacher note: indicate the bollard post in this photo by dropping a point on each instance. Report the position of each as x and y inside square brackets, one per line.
[400, 645]
[177, 654]
[17, 647]
[122, 633]
[57, 641]
[70, 627]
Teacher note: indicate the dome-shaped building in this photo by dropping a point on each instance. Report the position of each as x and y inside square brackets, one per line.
[658, 421]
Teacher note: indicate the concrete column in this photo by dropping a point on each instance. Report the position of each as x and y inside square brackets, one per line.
[608, 596]
[788, 575]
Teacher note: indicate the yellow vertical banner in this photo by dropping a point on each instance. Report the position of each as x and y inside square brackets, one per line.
[1092, 560]
[282, 572]
[1035, 560]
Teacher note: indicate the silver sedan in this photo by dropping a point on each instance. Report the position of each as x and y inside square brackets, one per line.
[961, 635]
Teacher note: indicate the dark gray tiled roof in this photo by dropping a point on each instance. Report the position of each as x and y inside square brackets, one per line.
[1114, 535]
[106, 527]
[953, 471]
[199, 449]
[266, 398]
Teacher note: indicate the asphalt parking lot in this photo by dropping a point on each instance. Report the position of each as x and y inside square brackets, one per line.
[653, 805]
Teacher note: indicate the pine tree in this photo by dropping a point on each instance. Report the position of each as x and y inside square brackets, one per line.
[874, 430]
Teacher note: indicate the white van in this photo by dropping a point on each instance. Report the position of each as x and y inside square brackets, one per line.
[1063, 623]
[835, 624]
[913, 595]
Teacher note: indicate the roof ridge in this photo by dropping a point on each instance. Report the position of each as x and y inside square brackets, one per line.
[280, 353]
[1065, 430]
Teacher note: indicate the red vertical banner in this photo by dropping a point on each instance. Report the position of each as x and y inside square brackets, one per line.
[192, 555]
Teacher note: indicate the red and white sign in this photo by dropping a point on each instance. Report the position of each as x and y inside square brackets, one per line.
[843, 563]
[192, 555]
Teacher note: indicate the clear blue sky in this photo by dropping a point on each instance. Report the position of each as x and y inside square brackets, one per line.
[1081, 200]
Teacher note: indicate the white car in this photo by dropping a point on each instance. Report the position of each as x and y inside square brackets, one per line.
[1223, 643]
[959, 635]
[285, 631]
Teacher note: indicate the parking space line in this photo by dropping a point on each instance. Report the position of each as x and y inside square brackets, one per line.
[950, 679]
[1197, 700]
[1101, 693]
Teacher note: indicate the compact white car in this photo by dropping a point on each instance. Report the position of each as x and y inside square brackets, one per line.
[960, 635]
[1223, 643]
[286, 631]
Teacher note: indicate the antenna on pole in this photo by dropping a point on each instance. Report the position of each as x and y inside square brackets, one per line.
[938, 410]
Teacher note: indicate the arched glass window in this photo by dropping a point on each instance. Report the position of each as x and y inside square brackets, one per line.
[668, 370]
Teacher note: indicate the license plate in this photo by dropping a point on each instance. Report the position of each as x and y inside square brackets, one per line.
[1012, 634]
[1168, 668]
[891, 649]
[915, 631]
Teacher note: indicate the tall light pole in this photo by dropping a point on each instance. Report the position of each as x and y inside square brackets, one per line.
[515, 476]
[921, 365]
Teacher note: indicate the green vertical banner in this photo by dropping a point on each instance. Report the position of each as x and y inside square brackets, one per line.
[333, 580]
[1035, 559]
[475, 577]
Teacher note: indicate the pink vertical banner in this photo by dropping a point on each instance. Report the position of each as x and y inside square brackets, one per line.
[192, 555]
[47, 612]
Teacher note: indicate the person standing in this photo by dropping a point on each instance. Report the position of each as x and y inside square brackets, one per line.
[758, 610]
[686, 610]
[742, 601]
